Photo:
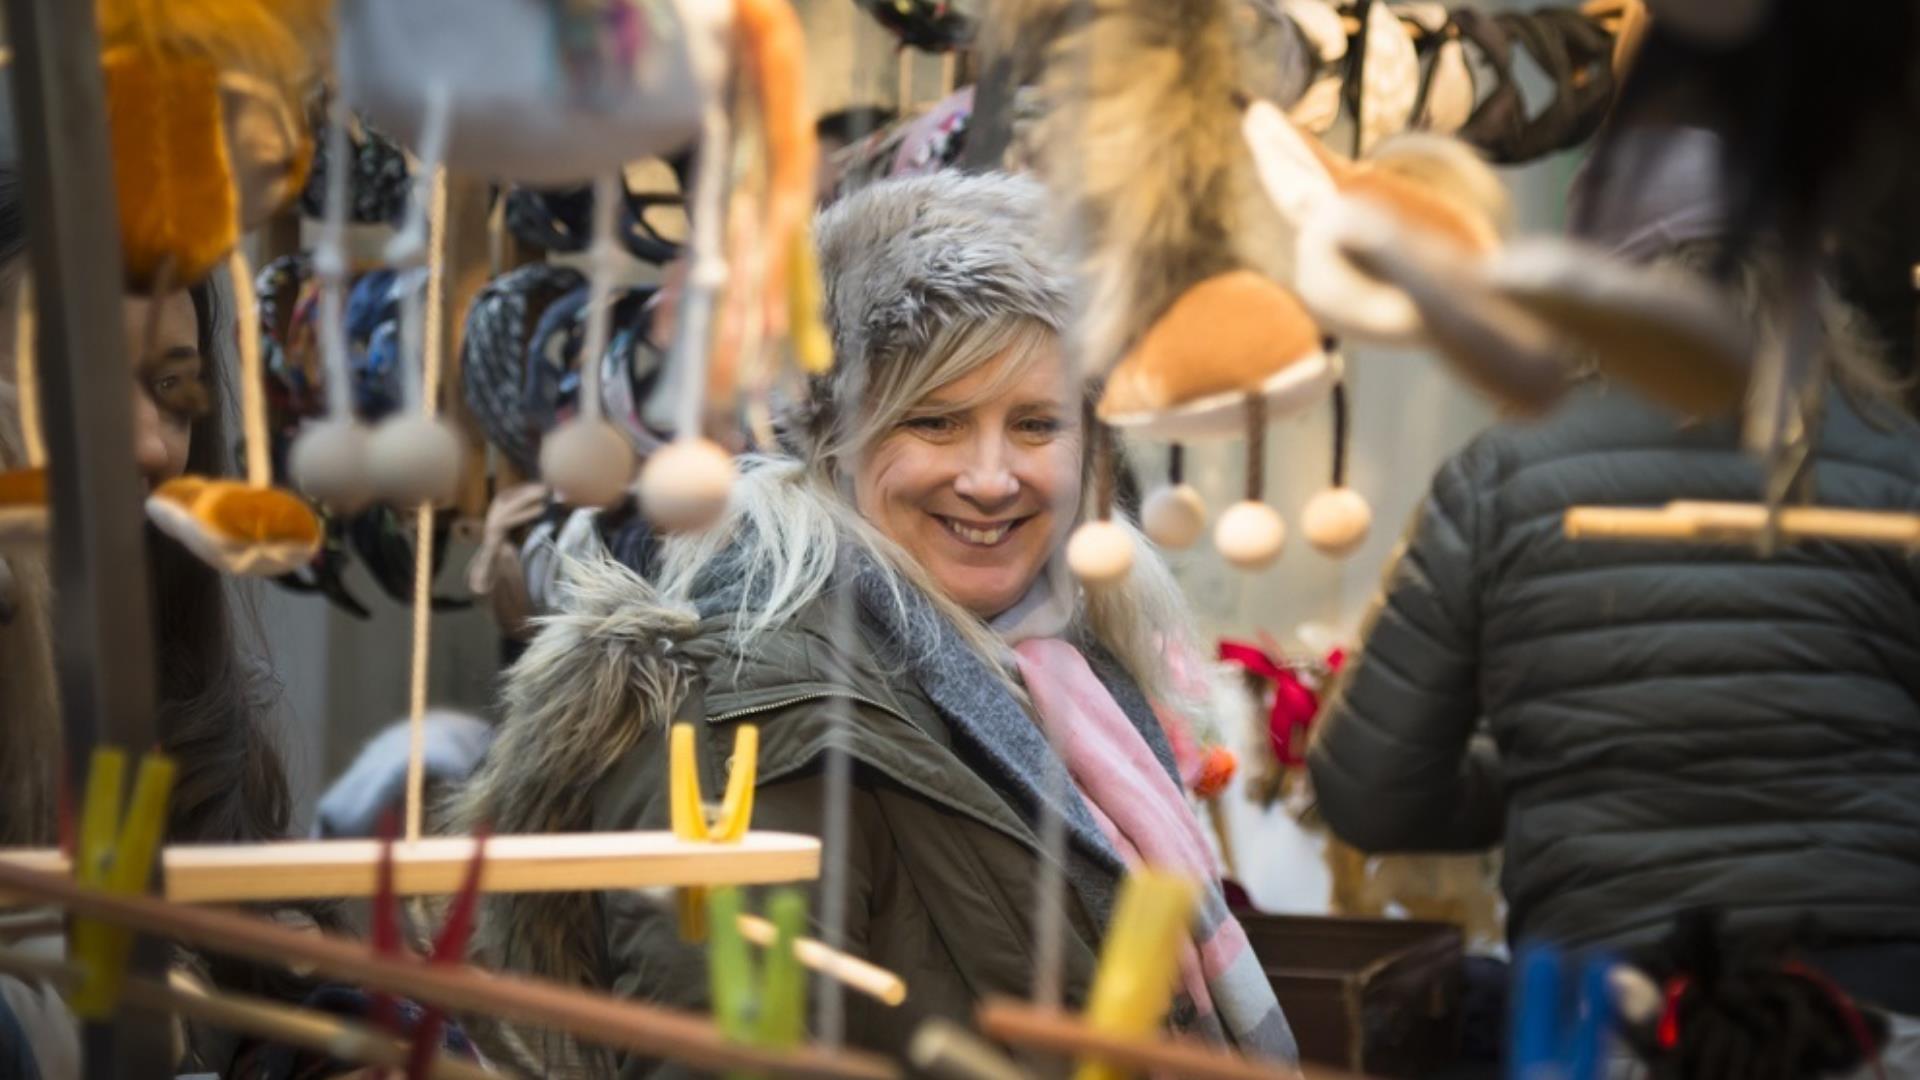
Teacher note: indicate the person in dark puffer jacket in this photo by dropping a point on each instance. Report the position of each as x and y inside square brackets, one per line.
[1650, 728]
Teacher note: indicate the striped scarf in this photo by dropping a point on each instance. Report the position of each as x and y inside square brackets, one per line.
[1143, 812]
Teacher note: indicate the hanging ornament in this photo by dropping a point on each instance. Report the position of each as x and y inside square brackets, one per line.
[414, 456]
[685, 485]
[1174, 516]
[328, 459]
[586, 460]
[1251, 534]
[1336, 520]
[1100, 552]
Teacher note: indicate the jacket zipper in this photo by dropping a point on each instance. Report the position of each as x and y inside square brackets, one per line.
[751, 710]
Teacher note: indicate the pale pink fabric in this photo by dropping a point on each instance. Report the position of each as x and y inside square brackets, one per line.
[1133, 799]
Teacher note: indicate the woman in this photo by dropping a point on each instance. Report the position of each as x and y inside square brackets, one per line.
[933, 479]
[230, 785]
[1651, 728]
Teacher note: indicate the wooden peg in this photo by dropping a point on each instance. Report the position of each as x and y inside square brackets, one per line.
[1741, 523]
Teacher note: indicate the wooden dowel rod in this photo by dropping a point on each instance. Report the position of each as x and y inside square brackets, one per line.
[870, 979]
[595, 1018]
[1020, 1024]
[309, 1030]
[1716, 522]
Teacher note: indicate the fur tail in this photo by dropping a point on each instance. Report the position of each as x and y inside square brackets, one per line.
[1147, 151]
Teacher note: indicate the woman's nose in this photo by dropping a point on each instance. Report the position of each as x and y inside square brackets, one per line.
[149, 443]
[987, 477]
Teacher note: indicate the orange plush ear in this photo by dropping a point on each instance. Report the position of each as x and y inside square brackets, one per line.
[1230, 335]
[242, 514]
[23, 487]
[170, 164]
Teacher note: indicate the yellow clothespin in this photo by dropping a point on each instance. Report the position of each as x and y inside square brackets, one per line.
[812, 346]
[688, 811]
[1139, 961]
[116, 854]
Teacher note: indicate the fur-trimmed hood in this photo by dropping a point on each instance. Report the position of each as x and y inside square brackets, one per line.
[600, 674]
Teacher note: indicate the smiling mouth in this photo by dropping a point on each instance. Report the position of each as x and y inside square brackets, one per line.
[980, 534]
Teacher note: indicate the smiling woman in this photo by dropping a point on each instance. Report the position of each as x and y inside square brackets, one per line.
[893, 585]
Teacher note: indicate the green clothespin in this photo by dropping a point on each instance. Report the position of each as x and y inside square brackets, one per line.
[757, 1005]
[116, 854]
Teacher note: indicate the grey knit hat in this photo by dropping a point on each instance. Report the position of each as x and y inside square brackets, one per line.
[903, 260]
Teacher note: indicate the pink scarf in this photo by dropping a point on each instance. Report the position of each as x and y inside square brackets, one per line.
[1137, 804]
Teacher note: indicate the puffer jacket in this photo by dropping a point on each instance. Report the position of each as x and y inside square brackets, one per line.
[943, 865]
[1647, 727]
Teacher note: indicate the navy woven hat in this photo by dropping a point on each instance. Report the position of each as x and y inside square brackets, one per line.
[494, 353]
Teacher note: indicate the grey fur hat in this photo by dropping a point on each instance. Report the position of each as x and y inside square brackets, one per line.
[904, 259]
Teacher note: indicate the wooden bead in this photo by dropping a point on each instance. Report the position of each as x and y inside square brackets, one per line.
[1174, 516]
[1100, 553]
[587, 462]
[328, 461]
[685, 485]
[414, 459]
[1250, 535]
[1336, 521]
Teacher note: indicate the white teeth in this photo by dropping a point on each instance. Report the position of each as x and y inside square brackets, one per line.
[978, 536]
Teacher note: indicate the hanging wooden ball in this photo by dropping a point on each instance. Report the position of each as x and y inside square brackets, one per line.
[414, 459]
[685, 485]
[587, 462]
[329, 462]
[1336, 521]
[1100, 553]
[1250, 535]
[1174, 516]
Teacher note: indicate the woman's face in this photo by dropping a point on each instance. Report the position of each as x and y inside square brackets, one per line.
[980, 493]
[169, 383]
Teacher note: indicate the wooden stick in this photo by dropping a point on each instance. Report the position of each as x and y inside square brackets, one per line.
[596, 1018]
[304, 1028]
[26, 375]
[870, 979]
[1725, 522]
[1023, 1025]
[556, 862]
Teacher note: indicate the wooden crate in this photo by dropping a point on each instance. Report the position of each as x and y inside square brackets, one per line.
[1379, 996]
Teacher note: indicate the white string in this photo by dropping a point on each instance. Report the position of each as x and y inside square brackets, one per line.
[1049, 952]
[603, 257]
[707, 271]
[411, 249]
[330, 266]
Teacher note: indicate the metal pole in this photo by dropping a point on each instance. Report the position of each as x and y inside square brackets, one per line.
[102, 632]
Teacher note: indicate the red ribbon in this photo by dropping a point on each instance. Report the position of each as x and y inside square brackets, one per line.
[1291, 710]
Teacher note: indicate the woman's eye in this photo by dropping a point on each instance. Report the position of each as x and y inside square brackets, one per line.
[932, 425]
[1040, 425]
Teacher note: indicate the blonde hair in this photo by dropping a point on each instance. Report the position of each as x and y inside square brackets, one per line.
[792, 520]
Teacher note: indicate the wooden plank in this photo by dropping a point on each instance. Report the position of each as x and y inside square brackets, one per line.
[559, 862]
[597, 1018]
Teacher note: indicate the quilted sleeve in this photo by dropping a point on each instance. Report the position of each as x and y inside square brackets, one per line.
[1395, 763]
